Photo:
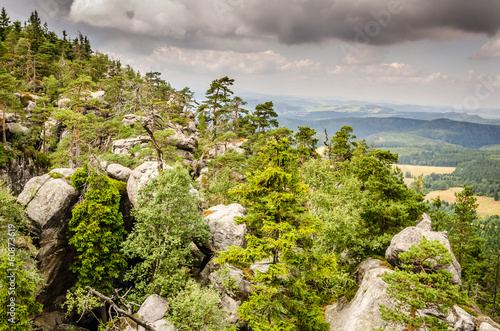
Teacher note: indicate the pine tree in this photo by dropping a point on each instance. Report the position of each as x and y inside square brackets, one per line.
[216, 106]
[420, 285]
[462, 228]
[264, 116]
[306, 143]
[342, 145]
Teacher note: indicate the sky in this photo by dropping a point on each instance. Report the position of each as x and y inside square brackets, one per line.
[425, 52]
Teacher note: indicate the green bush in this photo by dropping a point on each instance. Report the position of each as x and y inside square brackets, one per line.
[198, 309]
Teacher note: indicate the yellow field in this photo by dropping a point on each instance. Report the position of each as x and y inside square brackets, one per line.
[417, 170]
[487, 206]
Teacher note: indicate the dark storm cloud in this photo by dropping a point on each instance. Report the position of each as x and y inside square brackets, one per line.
[384, 22]
[54, 8]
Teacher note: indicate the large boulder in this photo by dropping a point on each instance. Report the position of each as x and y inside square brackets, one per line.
[140, 177]
[152, 311]
[49, 199]
[225, 232]
[412, 236]
[119, 172]
[153, 308]
[487, 327]
[362, 313]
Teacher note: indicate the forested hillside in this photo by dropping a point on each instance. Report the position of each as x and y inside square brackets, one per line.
[235, 221]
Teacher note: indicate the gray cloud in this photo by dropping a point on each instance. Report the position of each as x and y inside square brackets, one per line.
[53, 8]
[291, 22]
[315, 21]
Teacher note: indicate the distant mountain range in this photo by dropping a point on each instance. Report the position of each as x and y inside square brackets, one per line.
[370, 120]
[471, 135]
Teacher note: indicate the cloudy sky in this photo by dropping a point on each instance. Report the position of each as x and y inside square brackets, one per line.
[428, 52]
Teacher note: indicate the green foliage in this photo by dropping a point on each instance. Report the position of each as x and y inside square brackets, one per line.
[464, 240]
[300, 279]
[20, 279]
[341, 145]
[123, 160]
[306, 143]
[363, 201]
[167, 222]
[218, 191]
[264, 117]
[6, 155]
[419, 284]
[216, 106]
[79, 178]
[197, 309]
[96, 231]
[78, 300]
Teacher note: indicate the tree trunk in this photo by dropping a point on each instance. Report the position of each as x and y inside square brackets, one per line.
[104, 315]
[496, 285]
[77, 145]
[412, 317]
[71, 149]
[34, 74]
[44, 148]
[4, 134]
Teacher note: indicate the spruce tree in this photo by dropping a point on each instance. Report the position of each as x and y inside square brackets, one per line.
[4, 24]
[289, 296]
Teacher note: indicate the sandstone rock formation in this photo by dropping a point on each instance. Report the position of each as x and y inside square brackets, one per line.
[48, 206]
[412, 236]
[362, 313]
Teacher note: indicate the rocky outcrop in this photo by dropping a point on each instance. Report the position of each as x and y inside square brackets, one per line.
[121, 146]
[49, 321]
[49, 199]
[131, 119]
[17, 172]
[140, 177]
[118, 172]
[412, 236]
[487, 327]
[228, 280]
[362, 313]
[222, 148]
[225, 232]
